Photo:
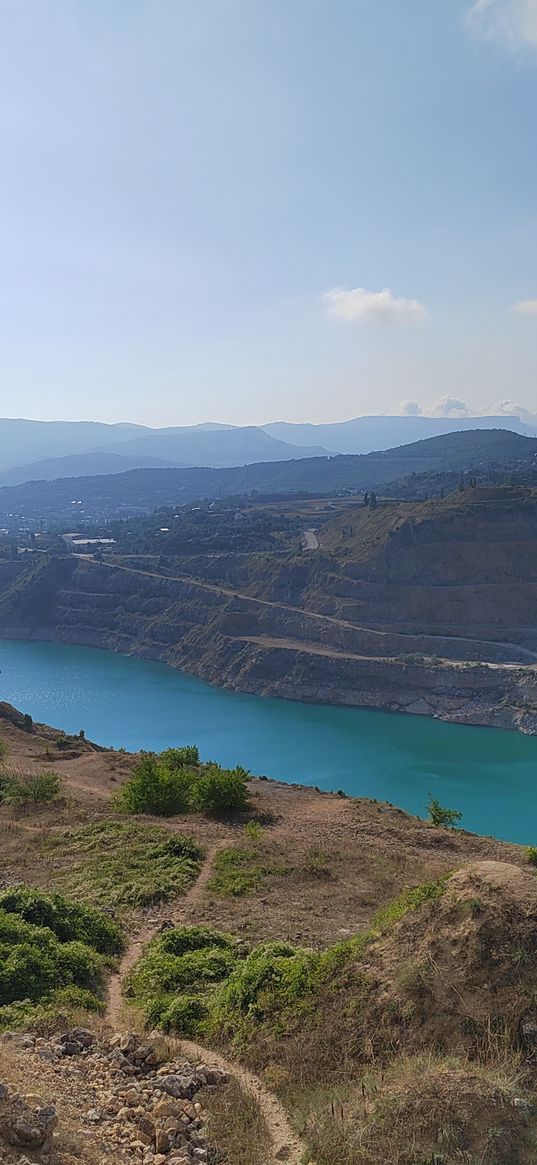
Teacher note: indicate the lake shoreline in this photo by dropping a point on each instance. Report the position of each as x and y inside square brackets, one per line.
[431, 693]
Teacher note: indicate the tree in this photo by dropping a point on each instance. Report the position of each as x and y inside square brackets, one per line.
[440, 816]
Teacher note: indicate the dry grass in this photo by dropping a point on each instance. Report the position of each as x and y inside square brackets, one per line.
[423, 1111]
[237, 1129]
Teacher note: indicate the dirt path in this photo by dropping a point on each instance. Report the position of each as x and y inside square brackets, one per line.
[285, 1145]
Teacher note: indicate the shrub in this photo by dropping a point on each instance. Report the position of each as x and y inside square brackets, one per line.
[273, 984]
[49, 953]
[156, 787]
[176, 758]
[531, 851]
[440, 816]
[67, 920]
[177, 976]
[34, 788]
[175, 782]
[221, 792]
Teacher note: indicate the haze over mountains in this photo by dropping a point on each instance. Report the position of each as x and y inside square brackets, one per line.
[45, 450]
[143, 490]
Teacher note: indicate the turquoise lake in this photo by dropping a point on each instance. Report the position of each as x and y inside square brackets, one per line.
[123, 701]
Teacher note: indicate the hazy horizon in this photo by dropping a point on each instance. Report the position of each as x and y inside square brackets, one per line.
[236, 210]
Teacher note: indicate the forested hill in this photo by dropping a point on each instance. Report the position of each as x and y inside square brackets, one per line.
[470, 451]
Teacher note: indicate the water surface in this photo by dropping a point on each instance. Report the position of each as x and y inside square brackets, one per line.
[124, 701]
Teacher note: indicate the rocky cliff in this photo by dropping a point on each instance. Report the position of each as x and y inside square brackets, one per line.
[428, 609]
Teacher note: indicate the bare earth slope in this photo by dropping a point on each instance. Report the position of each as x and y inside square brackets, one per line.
[426, 607]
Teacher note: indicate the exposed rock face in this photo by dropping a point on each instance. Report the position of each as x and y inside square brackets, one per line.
[431, 612]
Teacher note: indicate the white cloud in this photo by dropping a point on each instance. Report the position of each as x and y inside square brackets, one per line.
[359, 306]
[410, 408]
[510, 408]
[526, 307]
[512, 21]
[449, 406]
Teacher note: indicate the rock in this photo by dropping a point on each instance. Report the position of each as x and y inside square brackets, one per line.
[176, 1086]
[25, 1041]
[162, 1141]
[72, 1048]
[529, 1032]
[3, 1091]
[128, 1042]
[94, 1116]
[83, 1035]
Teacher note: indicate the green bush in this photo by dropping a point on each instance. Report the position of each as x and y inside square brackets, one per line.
[156, 787]
[175, 782]
[273, 984]
[177, 758]
[37, 961]
[178, 974]
[29, 788]
[253, 830]
[63, 1005]
[221, 792]
[67, 920]
[52, 957]
[531, 851]
[440, 816]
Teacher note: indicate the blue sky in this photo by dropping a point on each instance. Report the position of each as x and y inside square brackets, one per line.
[250, 210]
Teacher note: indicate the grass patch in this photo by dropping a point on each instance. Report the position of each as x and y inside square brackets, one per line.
[240, 870]
[424, 1110]
[118, 864]
[236, 872]
[409, 900]
[236, 1126]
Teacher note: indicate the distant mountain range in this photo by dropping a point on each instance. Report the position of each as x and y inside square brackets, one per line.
[45, 450]
[478, 451]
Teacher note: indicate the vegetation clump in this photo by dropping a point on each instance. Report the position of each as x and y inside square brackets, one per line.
[236, 872]
[176, 782]
[120, 865]
[440, 816]
[17, 788]
[178, 973]
[53, 954]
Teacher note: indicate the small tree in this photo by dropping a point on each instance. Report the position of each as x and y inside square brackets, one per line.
[440, 816]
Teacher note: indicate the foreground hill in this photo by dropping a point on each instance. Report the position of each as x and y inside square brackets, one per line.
[358, 982]
[427, 608]
[143, 490]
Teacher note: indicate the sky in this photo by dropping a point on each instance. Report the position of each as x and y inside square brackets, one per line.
[254, 210]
